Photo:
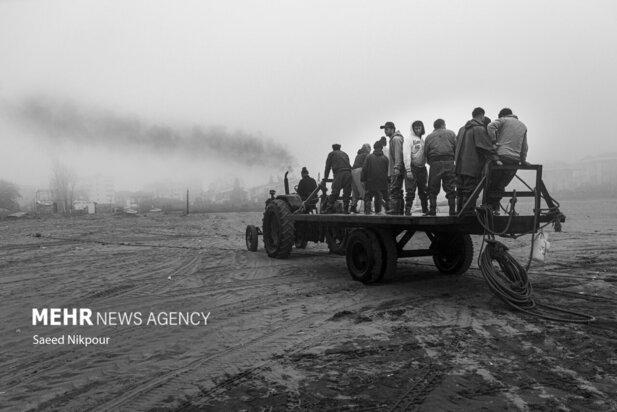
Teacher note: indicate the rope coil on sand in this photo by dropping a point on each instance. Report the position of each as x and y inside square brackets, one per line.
[510, 283]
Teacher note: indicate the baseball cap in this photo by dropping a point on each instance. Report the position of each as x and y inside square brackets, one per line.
[388, 124]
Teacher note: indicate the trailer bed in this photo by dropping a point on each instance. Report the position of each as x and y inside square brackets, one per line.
[444, 223]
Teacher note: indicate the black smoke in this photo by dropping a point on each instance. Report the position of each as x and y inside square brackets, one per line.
[65, 121]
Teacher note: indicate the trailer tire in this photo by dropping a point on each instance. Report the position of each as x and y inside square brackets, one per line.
[363, 256]
[251, 238]
[390, 254]
[336, 238]
[278, 229]
[454, 252]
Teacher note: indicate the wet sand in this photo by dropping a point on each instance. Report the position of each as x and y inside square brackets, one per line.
[297, 334]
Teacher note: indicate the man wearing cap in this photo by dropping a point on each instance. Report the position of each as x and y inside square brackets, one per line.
[306, 185]
[396, 168]
[439, 147]
[338, 161]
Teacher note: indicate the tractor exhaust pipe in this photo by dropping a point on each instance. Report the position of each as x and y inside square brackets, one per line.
[286, 184]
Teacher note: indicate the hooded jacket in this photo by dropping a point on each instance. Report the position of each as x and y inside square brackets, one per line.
[413, 152]
[338, 161]
[360, 157]
[473, 147]
[440, 145]
[395, 147]
[375, 171]
[510, 135]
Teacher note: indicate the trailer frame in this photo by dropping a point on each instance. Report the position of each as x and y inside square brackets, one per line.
[372, 244]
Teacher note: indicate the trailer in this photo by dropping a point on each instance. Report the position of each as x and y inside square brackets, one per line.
[373, 244]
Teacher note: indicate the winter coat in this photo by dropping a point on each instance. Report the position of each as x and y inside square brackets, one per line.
[375, 171]
[360, 157]
[440, 145]
[306, 186]
[338, 161]
[510, 135]
[395, 147]
[413, 152]
[473, 147]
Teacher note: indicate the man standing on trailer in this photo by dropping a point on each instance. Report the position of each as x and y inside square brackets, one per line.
[510, 136]
[414, 158]
[396, 168]
[440, 146]
[338, 161]
[375, 176]
[473, 149]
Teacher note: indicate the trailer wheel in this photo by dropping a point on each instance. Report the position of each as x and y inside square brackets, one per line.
[454, 252]
[390, 253]
[363, 256]
[251, 238]
[278, 229]
[336, 238]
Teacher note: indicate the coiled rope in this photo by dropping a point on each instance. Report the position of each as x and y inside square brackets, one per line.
[508, 279]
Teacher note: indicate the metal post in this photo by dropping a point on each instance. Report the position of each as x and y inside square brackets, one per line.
[187, 201]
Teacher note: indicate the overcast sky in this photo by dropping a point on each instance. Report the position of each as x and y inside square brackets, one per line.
[141, 89]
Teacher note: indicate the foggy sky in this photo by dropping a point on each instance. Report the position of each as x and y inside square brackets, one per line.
[299, 75]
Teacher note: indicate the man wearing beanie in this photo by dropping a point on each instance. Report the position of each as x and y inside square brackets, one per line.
[375, 177]
[306, 185]
[338, 162]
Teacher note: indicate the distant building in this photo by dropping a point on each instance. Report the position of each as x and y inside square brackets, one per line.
[99, 189]
[85, 206]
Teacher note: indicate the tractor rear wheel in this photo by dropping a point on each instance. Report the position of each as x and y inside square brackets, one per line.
[251, 238]
[278, 229]
[364, 256]
[454, 252]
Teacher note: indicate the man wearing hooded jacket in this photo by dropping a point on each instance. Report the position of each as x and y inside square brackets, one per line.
[473, 149]
[414, 158]
[396, 168]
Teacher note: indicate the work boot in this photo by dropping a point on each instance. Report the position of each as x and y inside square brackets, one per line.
[353, 209]
[346, 208]
[367, 208]
[424, 204]
[452, 206]
[460, 202]
[432, 211]
[408, 208]
[394, 207]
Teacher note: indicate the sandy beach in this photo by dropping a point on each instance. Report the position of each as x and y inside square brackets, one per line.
[296, 334]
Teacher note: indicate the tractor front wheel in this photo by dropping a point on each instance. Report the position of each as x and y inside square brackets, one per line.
[251, 238]
[278, 229]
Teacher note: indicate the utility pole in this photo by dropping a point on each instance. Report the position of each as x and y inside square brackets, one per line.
[187, 202]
